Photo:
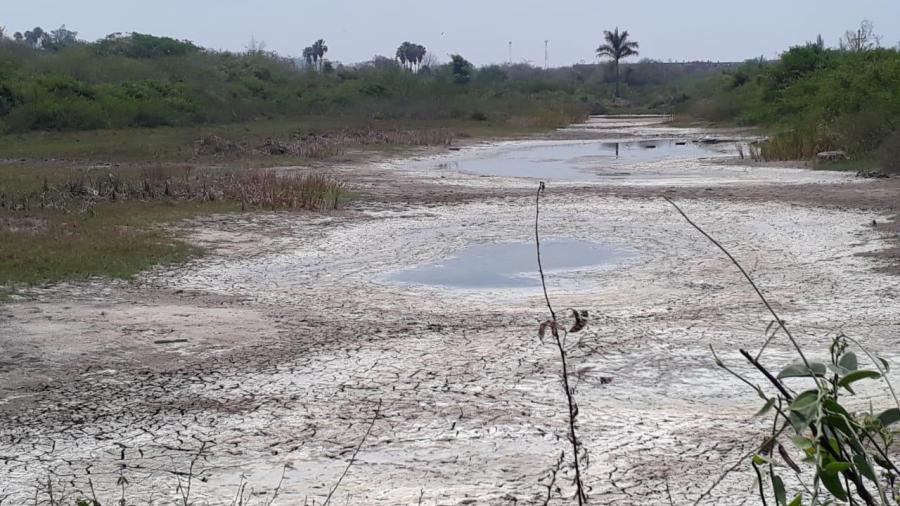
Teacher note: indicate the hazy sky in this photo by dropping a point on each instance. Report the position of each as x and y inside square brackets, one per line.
[480, 30]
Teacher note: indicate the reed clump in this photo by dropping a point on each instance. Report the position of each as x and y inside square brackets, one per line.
[82, 190]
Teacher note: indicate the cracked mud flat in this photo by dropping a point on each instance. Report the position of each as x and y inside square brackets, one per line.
[276, 349]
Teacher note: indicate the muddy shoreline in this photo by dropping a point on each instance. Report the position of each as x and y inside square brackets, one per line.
[272, 353]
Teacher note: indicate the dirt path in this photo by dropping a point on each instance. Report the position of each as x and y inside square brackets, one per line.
[272, 354]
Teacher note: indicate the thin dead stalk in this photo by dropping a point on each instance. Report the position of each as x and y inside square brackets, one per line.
[747, 277]
[355, 452]
[271, 501]
[186, 491]
[554, 329]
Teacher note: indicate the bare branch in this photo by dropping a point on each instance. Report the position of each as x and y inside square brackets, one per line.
[355, 453]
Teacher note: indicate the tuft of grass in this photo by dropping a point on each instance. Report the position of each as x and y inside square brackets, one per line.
[789, 145]
[48, 251]
[80, 191]
[864, 164]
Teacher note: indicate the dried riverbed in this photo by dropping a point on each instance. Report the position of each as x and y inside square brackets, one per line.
[272, 354]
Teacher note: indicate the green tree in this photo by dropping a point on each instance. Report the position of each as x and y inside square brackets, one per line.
[462, 69]
[617, 47]
[63, 37]
[33, 37]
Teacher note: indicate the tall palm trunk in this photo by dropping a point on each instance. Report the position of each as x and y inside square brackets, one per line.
[617, 78]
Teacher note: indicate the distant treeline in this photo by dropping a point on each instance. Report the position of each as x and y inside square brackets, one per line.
[814, 98]
[53, 81]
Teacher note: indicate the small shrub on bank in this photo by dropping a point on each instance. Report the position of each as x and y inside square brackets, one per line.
[889, 153]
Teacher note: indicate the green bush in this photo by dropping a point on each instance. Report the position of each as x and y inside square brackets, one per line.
[889, 153]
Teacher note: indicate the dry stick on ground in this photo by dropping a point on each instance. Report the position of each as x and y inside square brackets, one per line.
[355, 452]
[554, 329]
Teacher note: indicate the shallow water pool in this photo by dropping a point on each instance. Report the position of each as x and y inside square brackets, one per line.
[576, 161]
[510, 265]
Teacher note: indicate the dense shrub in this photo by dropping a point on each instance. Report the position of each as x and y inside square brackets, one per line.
[889, 153]
[144, 80]
[817, 98]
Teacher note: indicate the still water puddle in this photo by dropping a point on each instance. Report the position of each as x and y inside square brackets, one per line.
[577, 161]
[510, 265]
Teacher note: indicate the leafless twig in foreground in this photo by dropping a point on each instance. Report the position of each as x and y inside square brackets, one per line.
[554, 329]
[355, 452]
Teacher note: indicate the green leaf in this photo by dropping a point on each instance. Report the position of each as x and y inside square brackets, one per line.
[801, 371]
[760, 460]
[838, 422]
[889, 417]
[856, 376]
[833, 406]
[797, 501]
[798, 421]
[787, 459]
[837, 466]
[840, 371]
[803, 443]
[864, 468]
[778, 488]
[804, 408]
[765, 409]
[883, 463]
[833, 483]
[849, 361]
[884, 364]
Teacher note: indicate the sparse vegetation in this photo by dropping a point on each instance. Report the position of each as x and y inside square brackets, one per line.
[59, 223]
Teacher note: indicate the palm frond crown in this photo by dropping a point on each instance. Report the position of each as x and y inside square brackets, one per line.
[617, 45]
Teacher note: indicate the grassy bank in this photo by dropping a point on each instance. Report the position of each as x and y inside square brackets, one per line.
[78, 204]
[183, 144]
[60, 223]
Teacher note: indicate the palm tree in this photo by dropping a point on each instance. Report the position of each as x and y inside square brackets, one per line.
[411, 55]
[420, 55]
[319, 50]
[308, 55]
[406, 54]
[617, 47]
[401, 54]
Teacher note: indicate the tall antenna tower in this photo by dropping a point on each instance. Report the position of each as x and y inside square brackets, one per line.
[546, 54]
[510, 52]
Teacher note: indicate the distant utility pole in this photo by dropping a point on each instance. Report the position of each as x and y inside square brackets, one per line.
[510, 52]
[546, 54]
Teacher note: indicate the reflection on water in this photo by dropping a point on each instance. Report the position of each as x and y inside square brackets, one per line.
[576, 161]
[510, 265]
